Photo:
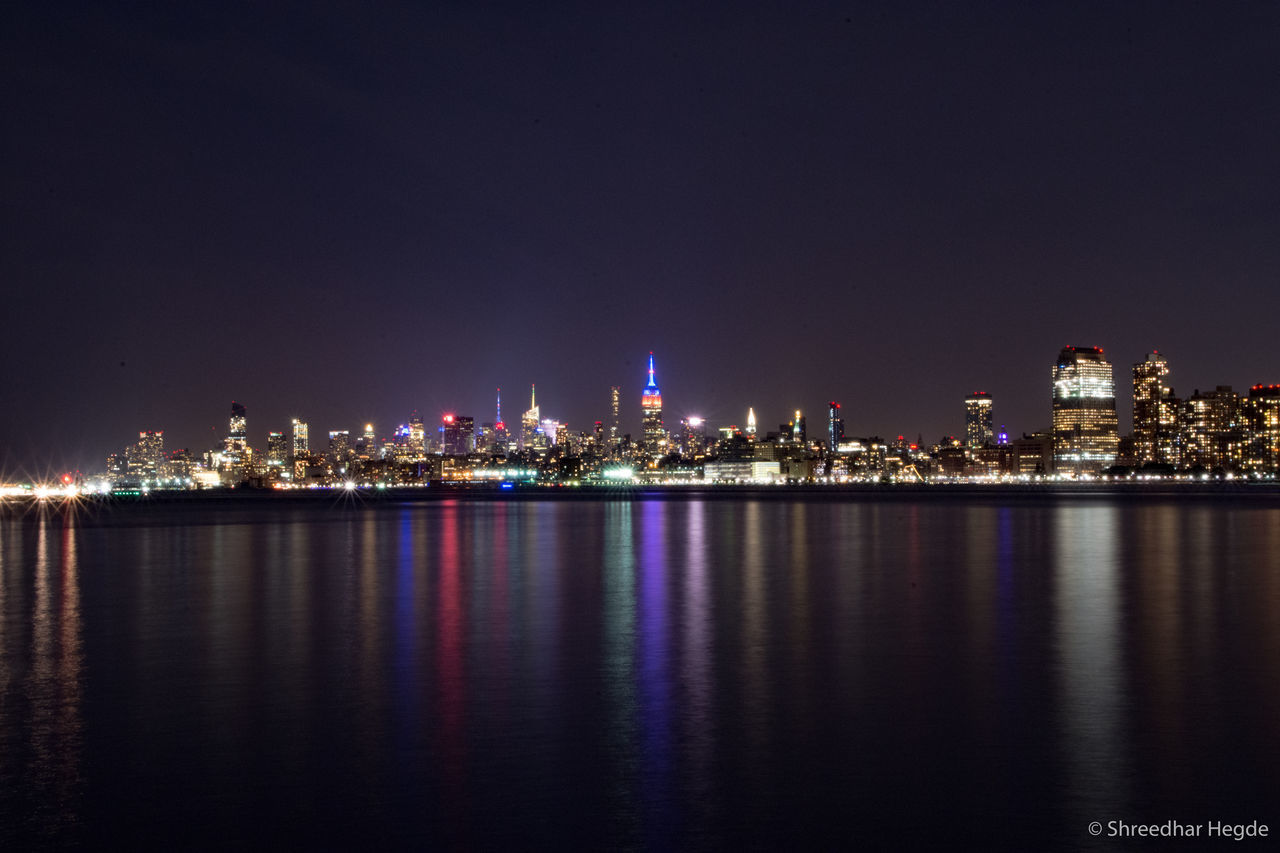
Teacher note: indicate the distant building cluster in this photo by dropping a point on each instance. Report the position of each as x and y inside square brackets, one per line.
[1218, 432]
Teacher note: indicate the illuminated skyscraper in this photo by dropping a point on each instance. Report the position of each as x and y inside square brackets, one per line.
[694, 438]
[369, 443]
[301, 446]
[340, 446]
[655, 437]
[615, 397]
[145, 460]
[1154, 411]
[1212, 429]
[531, 435]
[457, 435]
[237, 429]
[417, 437]
[835, 426]
[499, 438]
[799, 434]
[1085, 432]
[235, 446]
[277, 451]
[977, 420]
[1263, 408]
[751, 423]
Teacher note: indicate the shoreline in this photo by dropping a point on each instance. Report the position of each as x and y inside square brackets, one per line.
[1236, 490]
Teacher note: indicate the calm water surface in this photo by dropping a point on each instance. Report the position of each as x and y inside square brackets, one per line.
[647, 674]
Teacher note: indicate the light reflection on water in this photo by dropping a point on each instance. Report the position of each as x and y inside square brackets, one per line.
[649, 674]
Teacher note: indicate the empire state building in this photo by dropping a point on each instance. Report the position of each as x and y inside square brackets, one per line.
[655, 437]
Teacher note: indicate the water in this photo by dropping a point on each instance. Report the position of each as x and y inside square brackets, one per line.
[650, 674]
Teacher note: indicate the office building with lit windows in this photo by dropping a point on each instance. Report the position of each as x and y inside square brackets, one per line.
[340, 446]
[277, 451]
[1212, 433]
[1085, 429]
[1264, 428]
[301, 444]
[978, 424]
[1155, 413]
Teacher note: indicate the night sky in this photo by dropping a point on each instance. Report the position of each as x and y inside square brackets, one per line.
[346, 211]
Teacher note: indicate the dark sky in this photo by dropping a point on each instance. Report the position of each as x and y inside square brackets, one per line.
[346, 211]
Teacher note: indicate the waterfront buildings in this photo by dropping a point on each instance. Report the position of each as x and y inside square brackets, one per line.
[1085, 428]
[1211, 433]
[1264, 427]
[1155, 413]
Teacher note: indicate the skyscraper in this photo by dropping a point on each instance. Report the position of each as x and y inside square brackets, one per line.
[835, 426]
[301, 446]
[1154, 415]
[655, 438]
[1263, 408]
[277, 451]
[977, 420]
[751, 423]
[799, 434]
[615, 396]
[1085, 431]
[340, 446]
[457, 435]
[499, 438]
[531, 435]
[236, 445]
[417, 437]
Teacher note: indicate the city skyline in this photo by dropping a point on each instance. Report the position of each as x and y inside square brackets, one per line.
[882, 206]
[260, 429]
[1218, 430]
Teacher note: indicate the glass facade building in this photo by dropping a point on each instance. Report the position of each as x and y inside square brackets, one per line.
[1085, 429]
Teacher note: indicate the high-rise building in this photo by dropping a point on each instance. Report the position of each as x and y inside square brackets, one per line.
[277, 451]
[499, 439]
[531, 435]
[693, 437]
[1264, 428]
[1212, 431]
[799, 434]
[417, 437]
[340, 446]
[615, 398]
[145, 459]
[1085, 429]
[457, 433]
[368, 443]
[751, 423]
[978, 430]
[655, 437]
[1155, 412]
[301, 445]
[235, 446]
[835, 426]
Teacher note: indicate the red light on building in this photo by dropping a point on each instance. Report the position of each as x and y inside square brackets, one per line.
[448, 419]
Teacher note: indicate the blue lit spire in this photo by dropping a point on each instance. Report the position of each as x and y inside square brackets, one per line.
[652, 384]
